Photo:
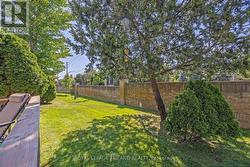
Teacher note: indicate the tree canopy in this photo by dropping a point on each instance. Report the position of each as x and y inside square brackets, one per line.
[67, 82]
[149, 38]
[90, 77]
[161, 37]
[48, 19]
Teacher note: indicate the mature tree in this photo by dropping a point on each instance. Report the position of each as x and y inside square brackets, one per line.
[90, 77]
[67, 81]
[48, 19]
[161, 36]
[79, 79]
[97, 79]
[19, 70]
[245, 73]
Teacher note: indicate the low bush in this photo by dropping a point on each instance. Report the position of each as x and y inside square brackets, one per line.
[206, 101]
[213, 116]
[50, 94]
[227, 126]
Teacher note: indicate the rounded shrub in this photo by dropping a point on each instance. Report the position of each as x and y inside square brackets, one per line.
[185, 119]
[206, 101]
[50, 93]
[201, 111]
[19, 70]
[227, 126]
[219, 116]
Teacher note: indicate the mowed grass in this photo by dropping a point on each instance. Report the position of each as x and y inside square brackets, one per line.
[85, 132]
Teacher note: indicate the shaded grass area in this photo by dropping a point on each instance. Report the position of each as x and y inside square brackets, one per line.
[85, 132]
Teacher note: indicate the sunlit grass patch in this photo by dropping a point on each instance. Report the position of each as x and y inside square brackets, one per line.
[85, 132]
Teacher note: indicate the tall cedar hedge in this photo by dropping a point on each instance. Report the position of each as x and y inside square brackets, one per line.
[19, 70]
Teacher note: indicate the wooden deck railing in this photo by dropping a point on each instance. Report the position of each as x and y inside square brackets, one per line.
[22, 146]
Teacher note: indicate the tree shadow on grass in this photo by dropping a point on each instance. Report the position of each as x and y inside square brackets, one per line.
[113, 141]
[81, 101]
[63, 94]
[46, 104]
[228, 152]
[133, 140]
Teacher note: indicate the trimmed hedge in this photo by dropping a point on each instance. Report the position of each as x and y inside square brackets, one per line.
[19, 70]
[213, 116]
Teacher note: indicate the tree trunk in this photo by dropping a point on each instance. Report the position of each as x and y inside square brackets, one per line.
[158, 99]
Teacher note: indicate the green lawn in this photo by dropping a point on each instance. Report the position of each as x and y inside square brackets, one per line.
[86, 132]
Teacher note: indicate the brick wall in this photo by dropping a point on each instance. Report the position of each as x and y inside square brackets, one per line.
[61, 89]
[107, 93]
[236, 93]
[141, 95]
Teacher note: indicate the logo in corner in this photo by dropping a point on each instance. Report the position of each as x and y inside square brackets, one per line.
[14, 16]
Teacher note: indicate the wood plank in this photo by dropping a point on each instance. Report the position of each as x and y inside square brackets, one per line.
[21, 147]
[4, 100]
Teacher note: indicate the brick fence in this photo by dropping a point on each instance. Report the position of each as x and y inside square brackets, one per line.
[141, 95]
[107, 93]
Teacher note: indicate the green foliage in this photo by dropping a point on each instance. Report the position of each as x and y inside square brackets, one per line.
[227, 125]
[185, 119]
[214, 115]
[133, 134]
[147, 39]
[19, 70]
[48, 19]
[97, 79]
[162, 36]
[218, 114]
[91, 77]
[79, 79]
[67, 82]
[206, 100]
[50, 93]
